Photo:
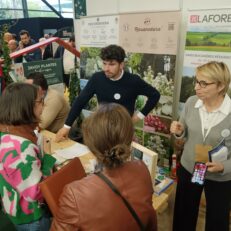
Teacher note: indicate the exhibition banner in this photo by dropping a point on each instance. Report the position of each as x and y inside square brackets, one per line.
[150, 40]
[208, 38]
[51, 68]
[99, 31]
[154, 33]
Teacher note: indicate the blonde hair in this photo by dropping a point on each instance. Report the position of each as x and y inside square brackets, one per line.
[108, 133]
[217, 72]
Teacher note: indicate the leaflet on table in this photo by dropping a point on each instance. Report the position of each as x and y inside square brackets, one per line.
[59, 159]
[76, 150]
[161, 186]
[161, 181]
[219, 153]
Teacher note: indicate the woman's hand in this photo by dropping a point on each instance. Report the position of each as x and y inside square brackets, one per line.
[215, 167]
[176, 128]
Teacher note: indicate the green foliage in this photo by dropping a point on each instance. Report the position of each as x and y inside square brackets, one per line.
[74, 86]
[208, 41]
[93, 103]
[140, 102]
[187, 88]
[6, 55]
[94, 51]
[134, 60]
[90, 61]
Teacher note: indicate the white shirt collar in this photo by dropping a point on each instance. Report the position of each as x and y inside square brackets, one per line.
[225, 107]
[121, 75]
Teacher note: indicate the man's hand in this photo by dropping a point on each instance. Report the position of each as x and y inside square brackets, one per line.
[215, 167]
[176, 128]
[62, 134]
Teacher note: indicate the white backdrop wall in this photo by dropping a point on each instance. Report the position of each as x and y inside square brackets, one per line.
[108, 7]
[102, 7]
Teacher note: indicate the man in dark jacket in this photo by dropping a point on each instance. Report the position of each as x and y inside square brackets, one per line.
[26, 41]
[68, 60]
[113, 85]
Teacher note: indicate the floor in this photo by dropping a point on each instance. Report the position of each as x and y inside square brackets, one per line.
[165, 217]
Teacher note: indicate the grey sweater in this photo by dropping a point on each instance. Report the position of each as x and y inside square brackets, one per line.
[190, 118]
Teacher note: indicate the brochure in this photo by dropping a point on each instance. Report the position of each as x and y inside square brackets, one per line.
[162, 182]
[219, 153]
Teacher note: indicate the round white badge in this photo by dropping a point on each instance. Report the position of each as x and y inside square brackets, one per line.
[225, 133]
[117, 96]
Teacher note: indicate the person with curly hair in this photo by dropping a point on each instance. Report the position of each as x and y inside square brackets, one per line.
[113, 85]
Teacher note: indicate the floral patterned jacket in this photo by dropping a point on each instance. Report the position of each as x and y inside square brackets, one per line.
[21, 169]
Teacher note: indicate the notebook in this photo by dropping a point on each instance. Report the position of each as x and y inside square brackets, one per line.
[53, 185]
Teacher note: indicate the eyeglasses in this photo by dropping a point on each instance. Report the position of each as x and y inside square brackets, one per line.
[202, 83]
[40, 101]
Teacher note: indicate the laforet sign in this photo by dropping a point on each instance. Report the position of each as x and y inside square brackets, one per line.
[51, 68]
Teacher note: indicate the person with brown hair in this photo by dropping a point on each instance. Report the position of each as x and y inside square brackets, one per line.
[205, 126]
[90, 204]
[26, 41]
[55, 107]
[22, 163]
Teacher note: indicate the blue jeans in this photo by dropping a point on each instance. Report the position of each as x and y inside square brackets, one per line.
[43, 224]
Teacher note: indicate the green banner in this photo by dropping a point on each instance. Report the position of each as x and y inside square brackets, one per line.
[80, 8]
[51, 68]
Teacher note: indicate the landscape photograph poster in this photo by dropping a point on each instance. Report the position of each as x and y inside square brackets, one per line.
[151, 43]
[208, 38]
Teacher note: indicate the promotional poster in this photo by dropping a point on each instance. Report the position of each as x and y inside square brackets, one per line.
[208, 38]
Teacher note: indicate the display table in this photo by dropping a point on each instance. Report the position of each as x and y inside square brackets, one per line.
[159, 201]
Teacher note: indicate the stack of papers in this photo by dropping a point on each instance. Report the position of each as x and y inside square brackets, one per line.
[162, 185]
[75, 150]
[162, 182]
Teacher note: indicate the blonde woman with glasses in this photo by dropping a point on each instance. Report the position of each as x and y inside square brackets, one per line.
[205, 124]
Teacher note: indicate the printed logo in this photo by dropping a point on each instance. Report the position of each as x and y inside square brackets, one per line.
[126, 27]
[194, 18]
[147, 21]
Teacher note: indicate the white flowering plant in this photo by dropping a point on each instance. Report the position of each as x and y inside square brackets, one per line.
[165, 87]
[159, 144]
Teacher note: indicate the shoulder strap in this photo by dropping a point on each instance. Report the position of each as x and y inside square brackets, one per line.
[116, 191]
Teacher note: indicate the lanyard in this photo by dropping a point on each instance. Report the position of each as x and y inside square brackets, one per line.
[211, 123]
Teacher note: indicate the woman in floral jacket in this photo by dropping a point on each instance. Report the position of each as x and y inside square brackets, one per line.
[22, 166]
